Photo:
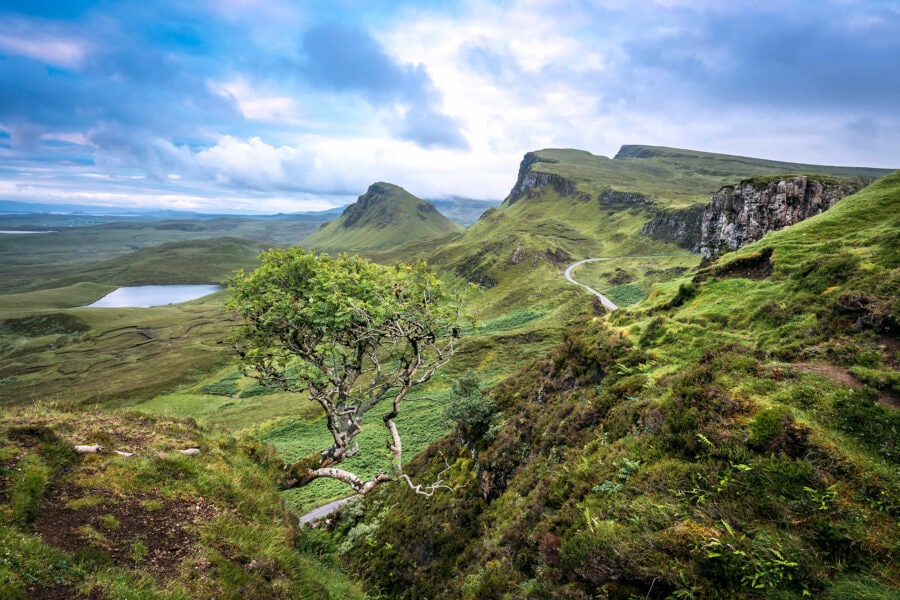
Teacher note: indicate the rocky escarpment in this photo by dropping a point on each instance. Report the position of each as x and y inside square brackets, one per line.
[613, 197]
[531, 183]
[376, 207]
[679, 226]
[741, 214]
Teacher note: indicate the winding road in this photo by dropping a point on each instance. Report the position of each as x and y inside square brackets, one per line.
[323, 511]
[606, 302]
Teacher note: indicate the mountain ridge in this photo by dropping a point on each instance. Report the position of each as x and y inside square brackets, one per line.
[384, 217]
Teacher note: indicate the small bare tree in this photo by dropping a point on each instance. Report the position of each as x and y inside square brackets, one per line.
[351, 335]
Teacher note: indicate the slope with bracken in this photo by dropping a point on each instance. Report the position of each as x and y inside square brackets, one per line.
[735, 436]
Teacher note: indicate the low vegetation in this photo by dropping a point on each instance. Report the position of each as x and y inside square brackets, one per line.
[731, 433]
[709, 443]
[154, 525]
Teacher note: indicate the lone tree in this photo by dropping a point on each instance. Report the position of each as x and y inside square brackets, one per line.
[351, 334]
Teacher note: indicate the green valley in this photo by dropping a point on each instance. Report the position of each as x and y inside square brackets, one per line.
[729, 432]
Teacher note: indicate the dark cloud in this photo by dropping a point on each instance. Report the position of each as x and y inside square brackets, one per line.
[799, 59]
[431, 129]
[349, 59]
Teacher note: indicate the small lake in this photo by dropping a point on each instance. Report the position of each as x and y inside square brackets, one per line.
[146, 296]
[19, 232]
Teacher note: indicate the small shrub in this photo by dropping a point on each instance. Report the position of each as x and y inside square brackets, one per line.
[871, 424]
[470, 410]
[775, 430]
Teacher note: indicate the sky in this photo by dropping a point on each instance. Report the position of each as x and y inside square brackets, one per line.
[268, 106]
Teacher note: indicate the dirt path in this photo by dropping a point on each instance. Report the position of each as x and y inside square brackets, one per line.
[844, 377]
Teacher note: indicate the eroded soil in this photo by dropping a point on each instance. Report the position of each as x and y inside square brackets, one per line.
[152, 532]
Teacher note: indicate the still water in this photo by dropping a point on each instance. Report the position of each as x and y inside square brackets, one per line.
[145, 296]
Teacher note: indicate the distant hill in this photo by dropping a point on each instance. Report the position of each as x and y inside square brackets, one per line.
[386, 216]
[464, 211]
[570, 204]
[12, 207]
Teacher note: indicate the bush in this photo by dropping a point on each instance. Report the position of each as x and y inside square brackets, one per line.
[470, 410]
[775, 430]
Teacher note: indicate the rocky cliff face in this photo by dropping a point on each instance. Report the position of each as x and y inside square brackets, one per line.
[530, 183]
[680, 227]
[741, 214]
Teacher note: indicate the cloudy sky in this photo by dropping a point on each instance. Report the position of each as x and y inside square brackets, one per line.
[288, 105]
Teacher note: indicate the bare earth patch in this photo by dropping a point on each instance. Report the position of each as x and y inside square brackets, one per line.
[843, 376]
[63, 591]
[153, 533]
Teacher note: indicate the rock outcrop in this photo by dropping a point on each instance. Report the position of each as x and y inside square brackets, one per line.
[679, 226]
[613, 197]
[531, 183]
[741, 214]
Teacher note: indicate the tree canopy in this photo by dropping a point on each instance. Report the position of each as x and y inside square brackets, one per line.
[350, 334]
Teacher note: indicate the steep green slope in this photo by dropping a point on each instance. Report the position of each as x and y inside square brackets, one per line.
[670, 177]
[569, 204]
[735, 436]
[385, 217]
[153, 524]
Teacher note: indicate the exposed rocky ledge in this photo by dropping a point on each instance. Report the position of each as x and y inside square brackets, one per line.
[741, 214]
[530, 184]
[613, 197]
[679, 226]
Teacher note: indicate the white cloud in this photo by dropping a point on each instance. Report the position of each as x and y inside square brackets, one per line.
[320, 164]
[24, 39]
[257, 105]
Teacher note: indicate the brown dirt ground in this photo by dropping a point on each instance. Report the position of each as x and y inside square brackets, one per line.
[63, 591]
[844, 377]
[168, 534]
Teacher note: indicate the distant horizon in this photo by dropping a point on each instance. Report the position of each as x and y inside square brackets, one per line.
[67, 208]
[275, 106]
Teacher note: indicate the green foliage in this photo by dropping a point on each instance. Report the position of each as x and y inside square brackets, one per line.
[346, 331]
[748, 477]
[626, 294]
[153, 526]
[872, 425]
[471, 411]
[226, 386]
[256, 389]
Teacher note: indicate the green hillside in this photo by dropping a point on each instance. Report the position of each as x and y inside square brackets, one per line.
[152, 525]
[567, 205]
[384, 218]
[733, 436]
[672, 177]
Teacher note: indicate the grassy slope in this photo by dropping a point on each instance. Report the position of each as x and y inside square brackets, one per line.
[27, 259]
[155, 525]
[385, 217]
[562, 230]
[50, 351]
[698, 446]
